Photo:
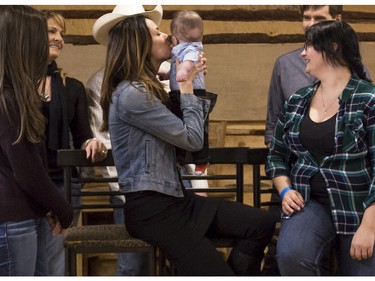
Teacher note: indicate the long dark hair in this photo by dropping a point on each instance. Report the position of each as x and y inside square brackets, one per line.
[23, 67]
[338, 43]
[129, 58]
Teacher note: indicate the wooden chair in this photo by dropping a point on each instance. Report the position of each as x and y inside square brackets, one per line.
[257, 157]
[104, 238]
[231, 161]
[228, 166]
[265, 196]
[114, 238]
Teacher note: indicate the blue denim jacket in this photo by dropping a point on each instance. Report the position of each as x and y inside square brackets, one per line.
[144, 134]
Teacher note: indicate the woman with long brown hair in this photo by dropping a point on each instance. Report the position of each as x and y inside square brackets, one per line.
[144, 134]
[26, 191]
[64, 105]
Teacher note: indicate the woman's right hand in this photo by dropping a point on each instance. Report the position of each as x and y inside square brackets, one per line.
[292, 202]
[55, 225]
[186, 87]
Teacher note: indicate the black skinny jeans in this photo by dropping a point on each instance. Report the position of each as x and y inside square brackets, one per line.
[252, 227]
[182, 228]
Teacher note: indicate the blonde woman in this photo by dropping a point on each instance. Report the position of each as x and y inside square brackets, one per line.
[64, 104]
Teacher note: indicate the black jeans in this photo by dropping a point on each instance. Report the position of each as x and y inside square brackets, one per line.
[251, 227]
[183, 228]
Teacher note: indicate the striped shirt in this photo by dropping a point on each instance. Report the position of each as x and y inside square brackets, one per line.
[349, 172]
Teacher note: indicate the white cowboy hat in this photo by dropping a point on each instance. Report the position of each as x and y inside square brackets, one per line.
[104, 24]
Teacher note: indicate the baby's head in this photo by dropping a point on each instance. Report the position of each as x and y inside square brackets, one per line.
[187, 26]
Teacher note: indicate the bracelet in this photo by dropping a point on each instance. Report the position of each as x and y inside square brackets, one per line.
[87, 142]
[285, 190]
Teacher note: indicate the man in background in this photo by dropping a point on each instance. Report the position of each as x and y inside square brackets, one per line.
[289, 70]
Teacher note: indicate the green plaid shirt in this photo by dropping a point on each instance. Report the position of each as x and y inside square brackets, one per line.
[349, 172]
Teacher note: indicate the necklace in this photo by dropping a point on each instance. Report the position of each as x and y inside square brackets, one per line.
[325, 109]
[324, 106]
[45, 96]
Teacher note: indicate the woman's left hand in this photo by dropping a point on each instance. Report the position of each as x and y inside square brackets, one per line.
[362, 246]
[363, 241]
[95, 150]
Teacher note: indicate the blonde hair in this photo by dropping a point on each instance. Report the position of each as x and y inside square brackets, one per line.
[60, 20]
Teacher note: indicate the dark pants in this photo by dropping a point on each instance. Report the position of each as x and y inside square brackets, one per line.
[182, 229]
[252, 227]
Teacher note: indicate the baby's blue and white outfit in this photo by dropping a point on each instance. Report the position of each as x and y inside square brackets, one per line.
[183, 52]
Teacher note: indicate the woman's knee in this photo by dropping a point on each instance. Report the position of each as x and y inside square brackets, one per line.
[289, 255]
[266, 230]
[296, 262]
[295, 258]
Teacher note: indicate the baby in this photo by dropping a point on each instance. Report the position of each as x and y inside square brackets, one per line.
[187, 34]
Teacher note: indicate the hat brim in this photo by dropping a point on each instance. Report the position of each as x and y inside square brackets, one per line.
[105, 23]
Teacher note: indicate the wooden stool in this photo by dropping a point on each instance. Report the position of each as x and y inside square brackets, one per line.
[111, 238]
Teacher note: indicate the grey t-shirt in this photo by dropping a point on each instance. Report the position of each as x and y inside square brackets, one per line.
[288, 76]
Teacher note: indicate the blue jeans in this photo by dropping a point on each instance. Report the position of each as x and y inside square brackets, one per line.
[348, 266]
[305, 241]
[54, 261]
[55, 251]
[18, 247]
[129, 264]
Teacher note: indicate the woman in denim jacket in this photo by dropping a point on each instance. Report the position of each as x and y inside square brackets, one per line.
[322, 160]
[144, 134]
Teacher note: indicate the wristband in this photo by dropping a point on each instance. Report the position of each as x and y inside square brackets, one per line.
[285, 190]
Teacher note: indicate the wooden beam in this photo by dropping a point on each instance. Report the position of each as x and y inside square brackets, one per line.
[230, 15]
[230, 38]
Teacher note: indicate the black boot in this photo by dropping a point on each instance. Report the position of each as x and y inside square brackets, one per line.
[244, 265]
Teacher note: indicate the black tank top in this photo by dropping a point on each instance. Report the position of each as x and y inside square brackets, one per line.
[319, 140]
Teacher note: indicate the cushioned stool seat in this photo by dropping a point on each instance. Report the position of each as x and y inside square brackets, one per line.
[104, 239]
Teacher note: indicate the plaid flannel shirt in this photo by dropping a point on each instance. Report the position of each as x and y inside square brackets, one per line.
[349, 171]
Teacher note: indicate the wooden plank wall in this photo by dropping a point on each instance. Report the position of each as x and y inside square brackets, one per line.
[241, 45]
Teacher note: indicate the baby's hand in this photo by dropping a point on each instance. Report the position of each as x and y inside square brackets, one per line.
[163, 74]
[187, 86]
[183, 70]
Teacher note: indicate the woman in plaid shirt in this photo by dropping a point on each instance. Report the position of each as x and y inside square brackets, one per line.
[322, 160]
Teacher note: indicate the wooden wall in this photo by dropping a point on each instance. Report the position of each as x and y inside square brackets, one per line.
[241, 45]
